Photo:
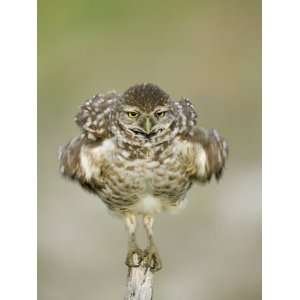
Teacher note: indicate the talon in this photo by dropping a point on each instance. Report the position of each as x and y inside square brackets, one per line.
[134, 258]
[152, 259]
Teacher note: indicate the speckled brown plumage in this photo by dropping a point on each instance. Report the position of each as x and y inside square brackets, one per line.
[140, 152]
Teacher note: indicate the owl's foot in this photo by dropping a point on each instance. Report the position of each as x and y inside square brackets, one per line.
[134, 257]
[152, 259]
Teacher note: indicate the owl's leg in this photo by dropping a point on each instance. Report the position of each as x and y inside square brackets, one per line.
[135, 254]
[151, 255]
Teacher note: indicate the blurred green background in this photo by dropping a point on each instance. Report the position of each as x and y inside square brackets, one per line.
[209, 51]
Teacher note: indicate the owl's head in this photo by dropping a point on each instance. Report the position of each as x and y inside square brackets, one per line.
[146, 113]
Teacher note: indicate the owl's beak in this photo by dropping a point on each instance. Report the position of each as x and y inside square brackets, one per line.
[147, 125]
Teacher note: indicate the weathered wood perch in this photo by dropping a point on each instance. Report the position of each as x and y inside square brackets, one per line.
[139, 283]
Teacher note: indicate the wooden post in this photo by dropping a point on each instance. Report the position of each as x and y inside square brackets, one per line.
[139, 283]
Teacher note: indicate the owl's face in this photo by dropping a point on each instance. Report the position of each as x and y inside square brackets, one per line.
[144, 124]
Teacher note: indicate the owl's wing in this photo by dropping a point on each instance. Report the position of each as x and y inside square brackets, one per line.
[69, 158]
[73, 165]
[94, 116]
[210, 154]
[94, 122]
[70, 164]
[187, 116]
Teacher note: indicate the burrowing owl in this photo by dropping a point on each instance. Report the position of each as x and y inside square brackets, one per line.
[140, 152]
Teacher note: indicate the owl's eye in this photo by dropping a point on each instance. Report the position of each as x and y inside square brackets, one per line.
[160, 114]
[132, 114]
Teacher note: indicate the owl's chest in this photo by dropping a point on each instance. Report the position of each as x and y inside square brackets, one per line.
[155, 176]
[144, 168]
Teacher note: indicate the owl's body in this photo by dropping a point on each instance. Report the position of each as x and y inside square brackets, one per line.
[140, 152]
[148, 184]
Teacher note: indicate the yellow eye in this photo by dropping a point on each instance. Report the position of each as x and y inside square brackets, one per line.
[160, 114]
[132, 114]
